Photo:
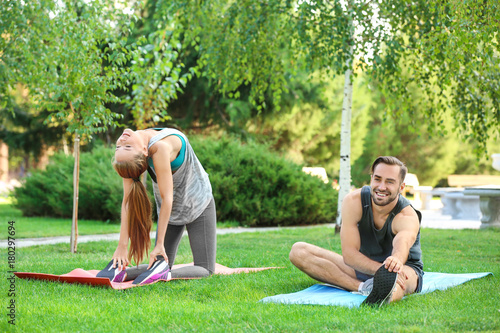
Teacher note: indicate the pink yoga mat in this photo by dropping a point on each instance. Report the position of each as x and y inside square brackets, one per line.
[82, 276]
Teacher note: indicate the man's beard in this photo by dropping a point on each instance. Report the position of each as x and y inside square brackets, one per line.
[383, 201]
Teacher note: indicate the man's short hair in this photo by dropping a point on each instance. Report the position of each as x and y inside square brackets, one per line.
[391, 160]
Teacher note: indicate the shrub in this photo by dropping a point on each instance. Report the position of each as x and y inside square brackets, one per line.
[258, 188]
[251, 185]
[50, 192]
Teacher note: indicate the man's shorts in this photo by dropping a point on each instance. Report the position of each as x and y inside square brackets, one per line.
[363, 277]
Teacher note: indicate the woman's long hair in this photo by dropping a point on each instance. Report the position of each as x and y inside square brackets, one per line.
[138, 207]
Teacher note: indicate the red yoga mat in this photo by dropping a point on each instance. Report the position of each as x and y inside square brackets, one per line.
[82, 276]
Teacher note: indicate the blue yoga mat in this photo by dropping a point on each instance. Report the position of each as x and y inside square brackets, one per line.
[320, 294]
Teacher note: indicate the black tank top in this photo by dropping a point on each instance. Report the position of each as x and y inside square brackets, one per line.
[377, 244]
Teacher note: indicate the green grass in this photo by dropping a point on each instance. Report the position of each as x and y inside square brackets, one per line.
[32, 227]
[28, 227]
[230, 303]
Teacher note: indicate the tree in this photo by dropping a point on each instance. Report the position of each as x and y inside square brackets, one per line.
[453, 58]
[307, 126]
[157, 71]
[58, 51]
[259, 43]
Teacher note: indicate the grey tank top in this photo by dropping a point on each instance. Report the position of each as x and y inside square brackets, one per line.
[377, 244]
[192, 188]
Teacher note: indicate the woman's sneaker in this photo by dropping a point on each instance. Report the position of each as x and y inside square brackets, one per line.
[113, 274]
[384, 283]
[160, 270]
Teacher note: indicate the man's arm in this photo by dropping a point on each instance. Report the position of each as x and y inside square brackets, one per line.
[405, 226]
[352, 212]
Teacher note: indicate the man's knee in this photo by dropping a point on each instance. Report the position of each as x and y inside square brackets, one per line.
[411, 284]
[413, 280]
[298, 252]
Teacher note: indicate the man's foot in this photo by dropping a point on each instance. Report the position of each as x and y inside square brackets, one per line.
[160, 270]
[384, 283]
[113, 274]
[365, 288]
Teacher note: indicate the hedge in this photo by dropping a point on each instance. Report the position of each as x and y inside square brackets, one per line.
[251, 185]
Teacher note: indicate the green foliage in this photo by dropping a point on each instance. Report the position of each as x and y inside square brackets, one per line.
[451, 49]
[234, 39]
[307, 127]
[50, 192]
[257, 188]
[54, 49]
[453, 55]
[157, 71]
[251, 185]
[23, 129]
[430, 153]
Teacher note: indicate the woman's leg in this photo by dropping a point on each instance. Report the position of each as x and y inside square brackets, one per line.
[172, 239]
[203, 241]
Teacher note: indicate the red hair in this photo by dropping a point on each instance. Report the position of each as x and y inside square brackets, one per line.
[138, 207]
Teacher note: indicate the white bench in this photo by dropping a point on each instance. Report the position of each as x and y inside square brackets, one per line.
[455, 203]
[461, 206]
[489, 204]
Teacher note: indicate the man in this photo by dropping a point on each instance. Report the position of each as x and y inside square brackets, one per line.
[380, 238]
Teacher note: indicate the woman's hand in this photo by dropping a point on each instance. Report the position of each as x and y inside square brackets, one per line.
[120, 258]
[159, 250]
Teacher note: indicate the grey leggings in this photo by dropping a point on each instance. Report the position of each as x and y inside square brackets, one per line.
[202, 234]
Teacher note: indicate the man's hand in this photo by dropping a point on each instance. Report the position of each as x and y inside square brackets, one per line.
[393, 264]
[402, 277]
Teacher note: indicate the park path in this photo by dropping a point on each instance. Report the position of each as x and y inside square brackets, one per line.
[431, 218]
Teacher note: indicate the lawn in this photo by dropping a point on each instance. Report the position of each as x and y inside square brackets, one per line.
[231, 303]
[28, 227]
[32, 227]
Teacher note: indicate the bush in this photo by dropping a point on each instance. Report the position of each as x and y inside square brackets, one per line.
[251, 185]
[255, 187]
[50, 192]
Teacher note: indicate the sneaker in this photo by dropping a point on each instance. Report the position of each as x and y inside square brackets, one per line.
[158, 271]
[384, 283]
[365, 288]
[113, 274]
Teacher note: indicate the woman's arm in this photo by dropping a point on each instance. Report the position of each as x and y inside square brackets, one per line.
[161, 162]
[120, 256]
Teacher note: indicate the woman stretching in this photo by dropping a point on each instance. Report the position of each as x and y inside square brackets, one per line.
[183, 196]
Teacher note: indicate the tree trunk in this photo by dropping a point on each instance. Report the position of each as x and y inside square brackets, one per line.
[76, 181]
[345, 144]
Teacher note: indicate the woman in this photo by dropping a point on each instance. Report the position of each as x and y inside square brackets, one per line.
[183, 196]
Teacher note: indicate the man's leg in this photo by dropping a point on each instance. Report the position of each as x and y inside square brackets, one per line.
[410, 284]
[323, 265]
